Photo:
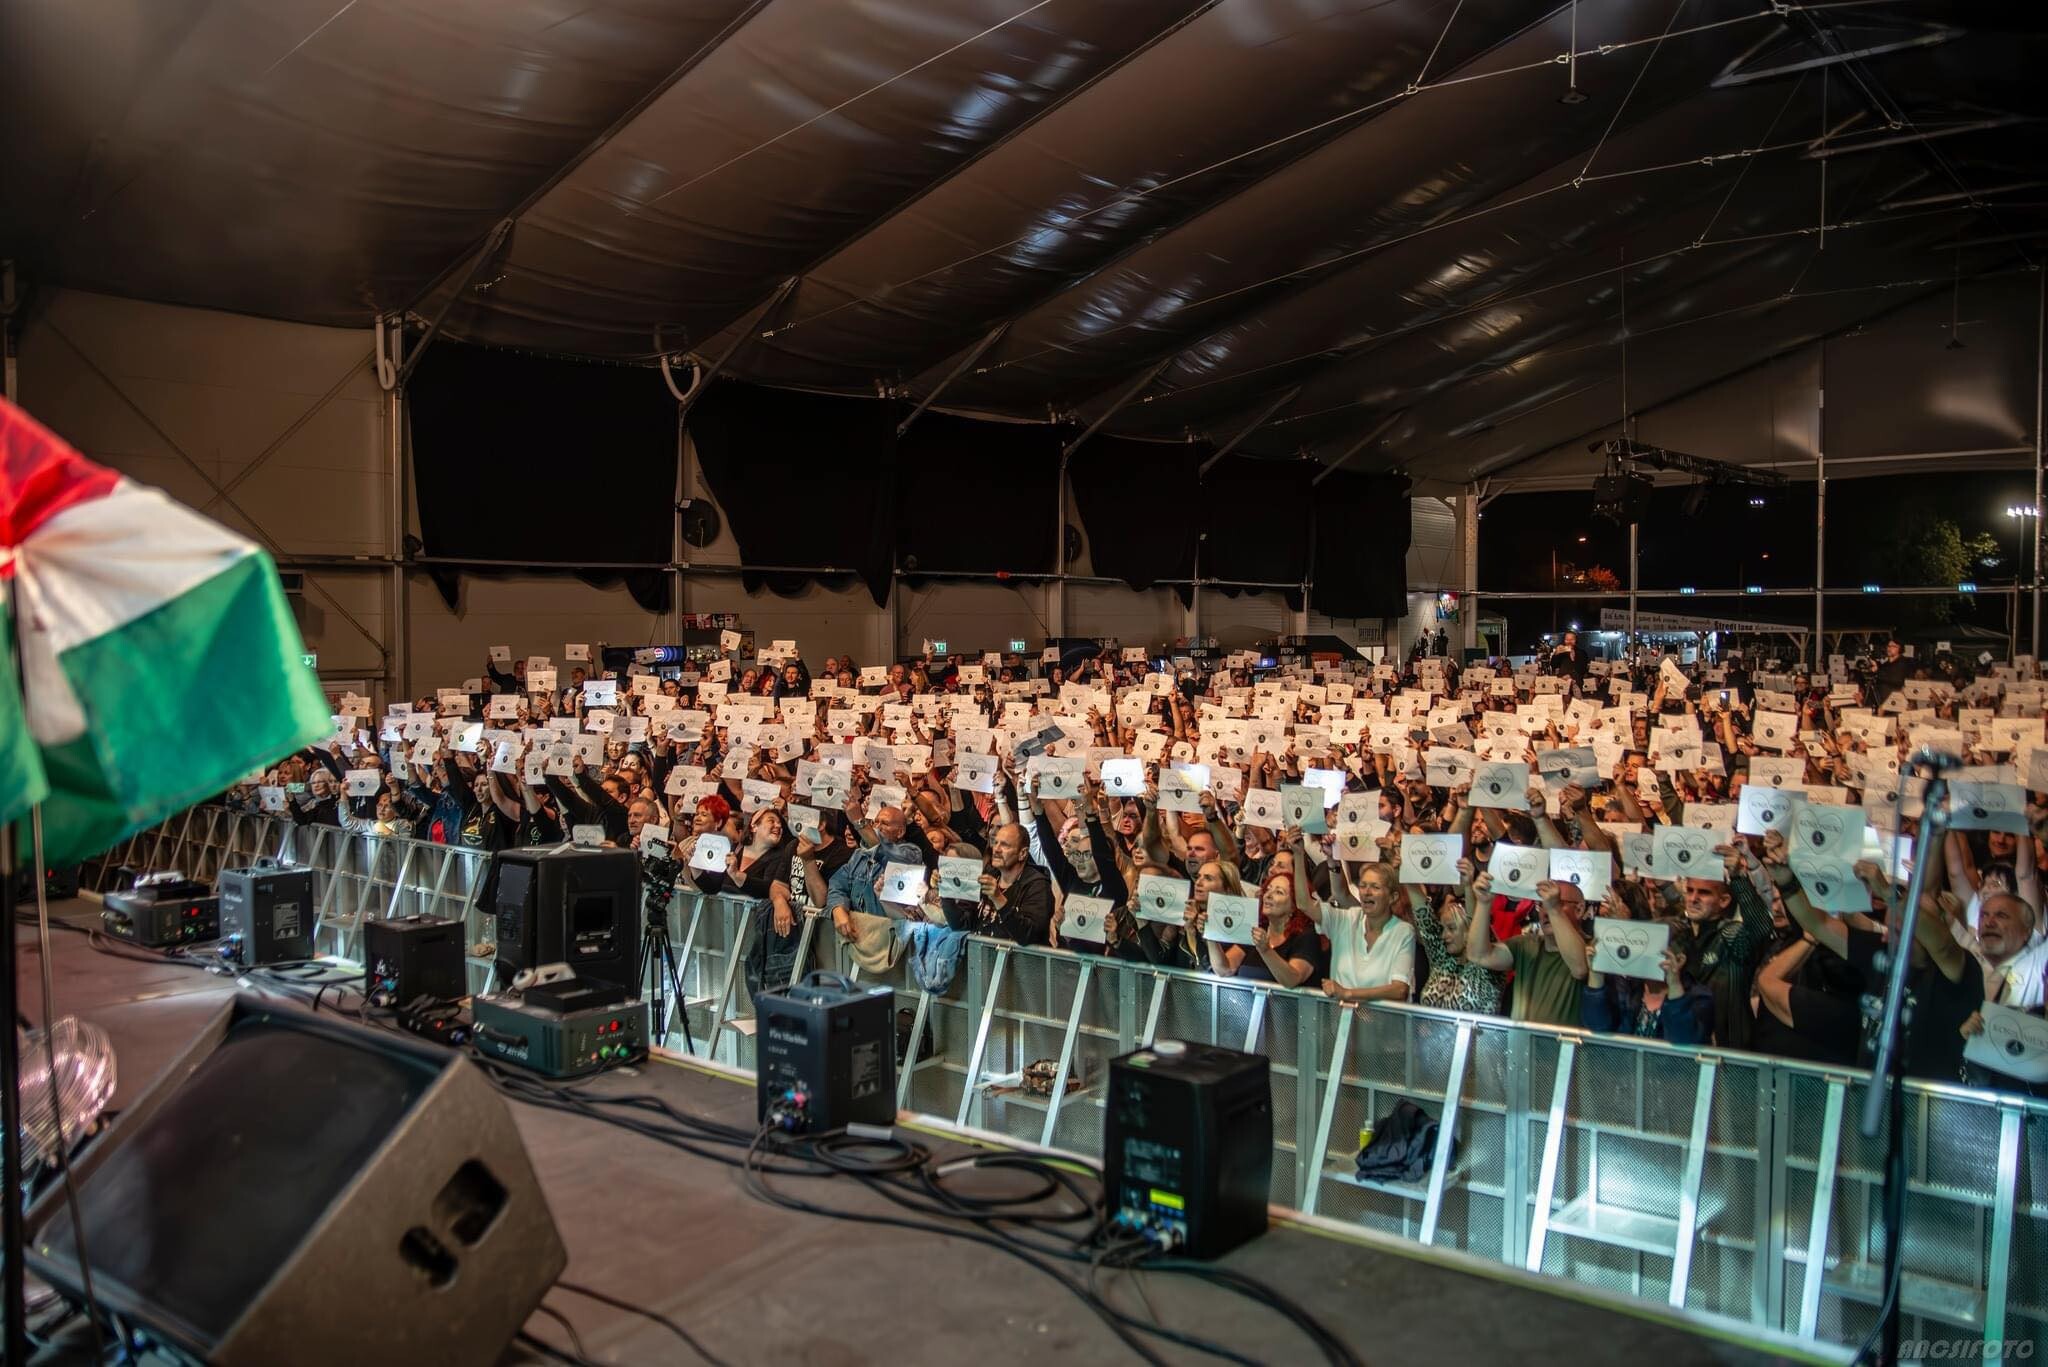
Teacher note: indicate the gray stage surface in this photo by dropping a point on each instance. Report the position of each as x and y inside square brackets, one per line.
[757, 1284]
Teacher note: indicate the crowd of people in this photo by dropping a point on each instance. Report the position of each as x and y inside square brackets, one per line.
[1704, 853]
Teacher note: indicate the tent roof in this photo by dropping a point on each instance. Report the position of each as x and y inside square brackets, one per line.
[1373, 227]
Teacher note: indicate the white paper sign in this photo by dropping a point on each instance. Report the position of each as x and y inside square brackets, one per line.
[1301, 806]
[975, 773]
[1123, 777]
[1590, 871]
[710, 852]
[1163, 899]
[576, 654]
[1685, 852]
[1830, 883]
[1430, 858]
[1517, 869]
[363, 782]
[903, 885]
[1231, 918]
[600, 692]
[959, 878]
[2012, 1042]
[590, 835]
[1828, 832]
[1764, 809]
[1084, 918]
[1987, 807]
[1770, 771]
[1179, 791]
[1632, 949]
[1262, 808]
[1500, 784]
[271, 798]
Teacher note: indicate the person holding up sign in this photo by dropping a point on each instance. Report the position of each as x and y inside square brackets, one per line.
[1670, 1007]
[1372, 952]
[1284, 949]
[1549, 967]
[1016, 896]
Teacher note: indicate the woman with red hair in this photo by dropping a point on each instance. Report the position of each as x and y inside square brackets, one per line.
[1285, 948]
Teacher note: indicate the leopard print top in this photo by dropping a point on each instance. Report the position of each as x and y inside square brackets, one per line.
[1454, 984]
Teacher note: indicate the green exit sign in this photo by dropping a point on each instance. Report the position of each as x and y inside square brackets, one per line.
[312, 660]
[1017, 647]
[938, 647]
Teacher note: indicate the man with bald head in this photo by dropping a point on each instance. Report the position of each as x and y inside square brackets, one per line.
[891, 826]
[1016, 895]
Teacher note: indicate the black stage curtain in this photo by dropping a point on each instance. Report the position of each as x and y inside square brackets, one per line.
[1362, 533]
[1141, 507]
[1256, 514]
[976, 497]
[517, 456]
[805, 481]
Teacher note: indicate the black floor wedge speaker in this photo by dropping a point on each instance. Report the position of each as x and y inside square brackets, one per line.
[300, 1189]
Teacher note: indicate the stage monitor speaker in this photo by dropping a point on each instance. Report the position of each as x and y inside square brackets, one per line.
[299, 1189]
[567, 904]
[1622, 498]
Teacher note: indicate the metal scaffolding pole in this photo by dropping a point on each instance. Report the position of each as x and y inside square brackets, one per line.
[1820, 504]
[2040, 376]
[1628, 650]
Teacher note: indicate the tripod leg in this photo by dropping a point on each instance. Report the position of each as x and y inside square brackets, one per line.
[675, 978]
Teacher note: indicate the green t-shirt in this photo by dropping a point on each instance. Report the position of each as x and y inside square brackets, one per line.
[1544, 989]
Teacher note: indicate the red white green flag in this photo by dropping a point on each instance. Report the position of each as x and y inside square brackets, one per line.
[159, 664]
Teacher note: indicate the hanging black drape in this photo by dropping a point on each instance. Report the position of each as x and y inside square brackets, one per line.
[1141, 507]
[528, 458]
[1256, 516]
[1362, 530]
[976, 497]
[806, 481]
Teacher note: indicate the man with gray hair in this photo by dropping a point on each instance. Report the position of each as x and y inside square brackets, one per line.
[2004, 946]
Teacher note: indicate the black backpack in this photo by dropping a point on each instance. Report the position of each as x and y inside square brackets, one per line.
[1403, 1143]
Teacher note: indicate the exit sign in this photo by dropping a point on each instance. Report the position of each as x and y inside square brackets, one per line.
[938, 647]
[312, 660]
[1017, 647]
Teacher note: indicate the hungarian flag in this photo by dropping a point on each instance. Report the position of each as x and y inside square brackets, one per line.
[159, 664]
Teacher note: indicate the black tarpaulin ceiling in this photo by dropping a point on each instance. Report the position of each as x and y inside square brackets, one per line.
[1376, 231]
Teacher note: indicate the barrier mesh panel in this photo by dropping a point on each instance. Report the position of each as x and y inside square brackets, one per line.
[1629, 1113]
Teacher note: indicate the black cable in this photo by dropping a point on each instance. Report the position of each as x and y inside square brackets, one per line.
[755, 1184]
[549, 1351]
[664, 1321]
[575, 1339]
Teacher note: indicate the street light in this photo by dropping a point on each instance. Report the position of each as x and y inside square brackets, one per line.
[2021, 510]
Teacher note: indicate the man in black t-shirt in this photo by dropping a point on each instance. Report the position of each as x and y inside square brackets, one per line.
[1944, 986]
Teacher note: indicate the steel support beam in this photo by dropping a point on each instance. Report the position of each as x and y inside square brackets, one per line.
[1265, 416]
[255, 528]
[498, 238]
[972, 355]
[1379, 429]
[278, 443]
[1117, 405]
[757, 319]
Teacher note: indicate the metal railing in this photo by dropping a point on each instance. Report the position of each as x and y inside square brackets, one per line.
[1706, 1179]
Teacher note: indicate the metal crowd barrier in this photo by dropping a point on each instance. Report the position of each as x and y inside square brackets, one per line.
[1712, 1180]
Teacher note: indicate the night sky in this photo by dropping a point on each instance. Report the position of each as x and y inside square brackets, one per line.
[1728, 544]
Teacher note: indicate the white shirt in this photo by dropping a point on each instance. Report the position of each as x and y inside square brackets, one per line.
[1389, 959]
[2018, 983]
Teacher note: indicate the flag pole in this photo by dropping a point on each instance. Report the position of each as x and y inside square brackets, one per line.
[13, 1240]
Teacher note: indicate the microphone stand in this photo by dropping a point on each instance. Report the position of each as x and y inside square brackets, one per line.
[1887, 1091]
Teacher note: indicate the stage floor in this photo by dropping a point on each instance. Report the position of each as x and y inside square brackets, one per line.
[758, 1284]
